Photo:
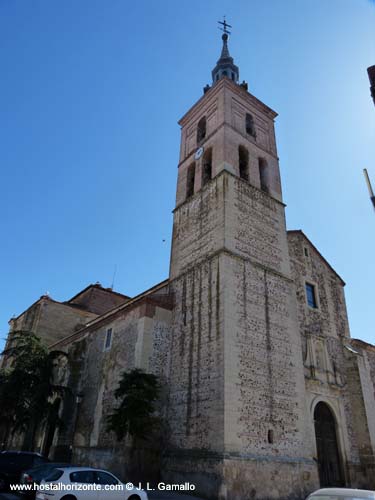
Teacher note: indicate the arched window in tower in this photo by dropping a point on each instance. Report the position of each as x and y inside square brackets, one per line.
[243, 162]
[190, 180]
[250, 127]
[263, 175]
[207, 167]
[201, 130]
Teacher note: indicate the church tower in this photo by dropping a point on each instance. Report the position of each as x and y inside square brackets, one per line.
[236, 401]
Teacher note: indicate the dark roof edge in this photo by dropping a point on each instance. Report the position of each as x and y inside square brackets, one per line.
[362, 343]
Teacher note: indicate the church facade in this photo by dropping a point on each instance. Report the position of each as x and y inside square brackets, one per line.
[265, 394]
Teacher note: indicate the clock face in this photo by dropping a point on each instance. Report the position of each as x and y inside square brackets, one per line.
[198, 153]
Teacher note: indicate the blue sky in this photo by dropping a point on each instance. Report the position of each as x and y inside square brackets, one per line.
[90, 95]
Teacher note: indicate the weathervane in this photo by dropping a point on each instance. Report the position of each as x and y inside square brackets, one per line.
[225, 26]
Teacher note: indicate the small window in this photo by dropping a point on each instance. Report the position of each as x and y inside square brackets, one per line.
[306, 252]
[263, 174]
[104, 478]
[207, 167]
[232, 76]
[201, 130]
[84, 476]
[250, 127]
[243, 163]
[190, 180]
[54, 475]
[270, 436]
[108, 339]
[311, 296]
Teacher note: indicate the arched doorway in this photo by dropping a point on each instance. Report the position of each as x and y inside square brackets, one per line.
[329, 464]
[52, 424]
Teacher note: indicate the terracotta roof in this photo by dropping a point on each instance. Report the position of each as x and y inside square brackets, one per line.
[127, 305]
[99, 286]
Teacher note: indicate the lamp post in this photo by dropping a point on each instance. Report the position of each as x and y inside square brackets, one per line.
[368, 182]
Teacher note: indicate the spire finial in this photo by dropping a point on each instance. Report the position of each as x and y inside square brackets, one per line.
[225, 65]
[225, 27]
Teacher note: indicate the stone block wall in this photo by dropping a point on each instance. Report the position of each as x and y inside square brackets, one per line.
[264, 382]
[140, 339]
[50, 320]
[334, 372]
[330, 318]
[198, 228]
[196, 404]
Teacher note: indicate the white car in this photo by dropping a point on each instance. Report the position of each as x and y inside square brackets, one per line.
[86, 483]
[341, 494]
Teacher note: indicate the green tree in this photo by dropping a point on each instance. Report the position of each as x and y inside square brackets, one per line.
[27, 389]
[135, 416]
[12, 411]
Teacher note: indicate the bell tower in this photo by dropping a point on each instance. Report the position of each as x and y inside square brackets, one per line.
[237, 380]
[227, 130]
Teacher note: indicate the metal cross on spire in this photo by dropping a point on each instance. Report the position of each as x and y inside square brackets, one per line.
[225, 26]
[225, 66]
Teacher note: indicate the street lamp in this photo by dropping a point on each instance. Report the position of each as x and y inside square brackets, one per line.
[371, 192]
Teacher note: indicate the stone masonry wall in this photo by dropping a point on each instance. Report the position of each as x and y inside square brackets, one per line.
[140, 339]
[230, 213]
[330, 318]
[50, 320]
[333, 373]
[239, 393]
[198, 228]
[195, 410]
[255, 225]
[264, 384]
[57, 321]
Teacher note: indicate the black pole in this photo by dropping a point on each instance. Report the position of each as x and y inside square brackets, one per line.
[371, 75]
[368, 182]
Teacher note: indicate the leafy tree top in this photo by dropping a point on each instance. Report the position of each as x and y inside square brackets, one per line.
[138, 393]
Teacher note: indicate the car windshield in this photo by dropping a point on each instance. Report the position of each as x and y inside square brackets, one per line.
[17, 459]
